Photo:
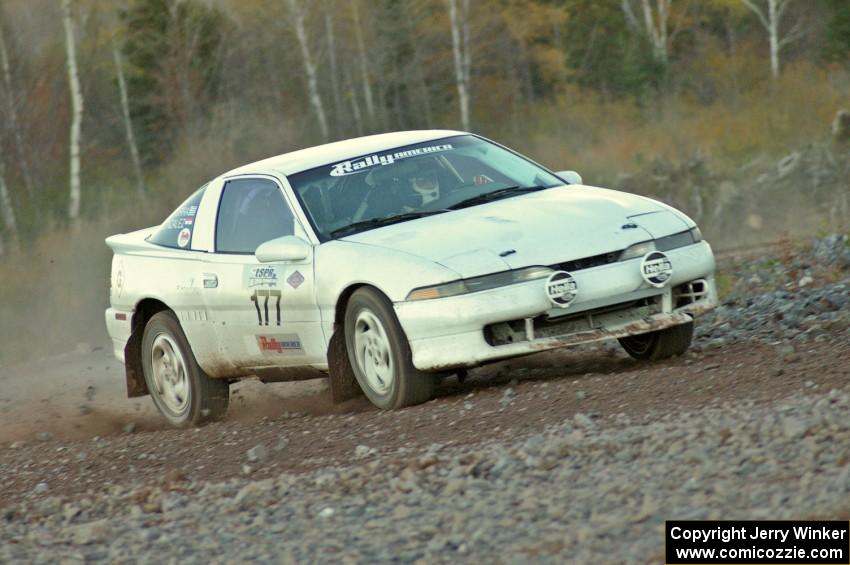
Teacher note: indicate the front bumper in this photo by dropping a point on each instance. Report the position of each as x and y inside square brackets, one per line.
[613, 301]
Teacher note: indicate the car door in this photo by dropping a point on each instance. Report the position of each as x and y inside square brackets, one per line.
[264, 314]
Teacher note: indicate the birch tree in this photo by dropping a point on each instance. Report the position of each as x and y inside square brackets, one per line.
[309, 66]
[128, 123]
[12, 112]
[364, 65]
[76, 111]
[9, 221]
[330, 34]
[771, 20]
[459, 20]
[355, 105]
[655, 24]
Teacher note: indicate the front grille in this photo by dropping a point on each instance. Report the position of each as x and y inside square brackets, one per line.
[589, 262]
[666, 243]
[690, 292]
[523, 330]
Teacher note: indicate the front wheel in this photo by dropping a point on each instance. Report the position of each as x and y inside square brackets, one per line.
[660, 344]
[180, 389]
[380, 355]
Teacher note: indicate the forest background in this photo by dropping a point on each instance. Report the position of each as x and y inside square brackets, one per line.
[113, 111]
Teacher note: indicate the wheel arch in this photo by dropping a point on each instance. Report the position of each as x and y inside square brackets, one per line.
[144, 311]
[342, 301]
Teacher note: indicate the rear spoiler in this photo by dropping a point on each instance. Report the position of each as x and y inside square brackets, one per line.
[129, 242]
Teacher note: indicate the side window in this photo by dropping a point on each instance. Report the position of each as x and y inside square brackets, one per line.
[176, 231]
[251, 212]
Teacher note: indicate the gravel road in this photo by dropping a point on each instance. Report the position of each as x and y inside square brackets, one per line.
[575, 456]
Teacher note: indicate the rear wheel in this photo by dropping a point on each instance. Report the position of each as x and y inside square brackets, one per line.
[659, 344]
[180, 389]
[380, 355]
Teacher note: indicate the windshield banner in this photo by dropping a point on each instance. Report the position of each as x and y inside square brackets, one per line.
[357, 165]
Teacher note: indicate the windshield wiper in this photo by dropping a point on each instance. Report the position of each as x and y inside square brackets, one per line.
[377, 222]
[495, 195]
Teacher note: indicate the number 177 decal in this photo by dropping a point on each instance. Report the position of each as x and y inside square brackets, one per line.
[255, 298]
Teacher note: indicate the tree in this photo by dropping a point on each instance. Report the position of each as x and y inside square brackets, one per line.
[309, 67]
[172, 53]
[459, 21]
[836, 46]
[537, 46]
[9, 221]
[330, 35]
[76, 111]
[656, 24]
[12, 111]
[605, 53]
[398, 52]
[364, 64]
[771, 20]
[128, 123]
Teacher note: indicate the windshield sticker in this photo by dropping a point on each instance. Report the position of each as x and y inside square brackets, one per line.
[357, 165]
[182, 218]
[481, 179]
[183, 237]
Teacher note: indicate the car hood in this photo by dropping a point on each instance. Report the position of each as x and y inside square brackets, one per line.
[541, 228]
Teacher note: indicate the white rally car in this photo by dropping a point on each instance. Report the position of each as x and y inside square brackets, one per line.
[389, 261]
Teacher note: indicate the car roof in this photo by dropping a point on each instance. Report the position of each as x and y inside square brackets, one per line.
[312, 157]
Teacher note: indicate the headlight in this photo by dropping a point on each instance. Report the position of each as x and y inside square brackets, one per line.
[478, 284]
[696, 234]
[638, 250]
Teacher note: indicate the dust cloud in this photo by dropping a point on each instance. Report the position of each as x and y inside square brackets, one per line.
[82, 395]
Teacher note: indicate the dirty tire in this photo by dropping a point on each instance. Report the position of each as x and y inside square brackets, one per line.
[343, 383]
[659, 344]
[181, 391]
[380, 354]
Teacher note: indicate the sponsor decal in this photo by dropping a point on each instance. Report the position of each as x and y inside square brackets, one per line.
[356, 165]
[284, 344]
[656, 268]
[561, 289]
[182, 218]
[184, 237]
[481, 179]
[261, 277]
[295, 279]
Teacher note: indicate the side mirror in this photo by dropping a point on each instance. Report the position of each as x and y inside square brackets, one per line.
[286, 248]
[570, 177]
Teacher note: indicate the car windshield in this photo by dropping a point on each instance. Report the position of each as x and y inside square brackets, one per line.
[409, 182]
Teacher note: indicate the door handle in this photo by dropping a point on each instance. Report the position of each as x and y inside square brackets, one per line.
[210, 280]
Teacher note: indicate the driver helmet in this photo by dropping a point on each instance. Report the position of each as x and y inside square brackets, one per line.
[425, 182]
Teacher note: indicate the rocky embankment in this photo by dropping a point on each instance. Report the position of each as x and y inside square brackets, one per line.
[798, 293]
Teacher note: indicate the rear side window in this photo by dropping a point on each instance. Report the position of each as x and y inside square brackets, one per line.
[176, 231]
[251, 212]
